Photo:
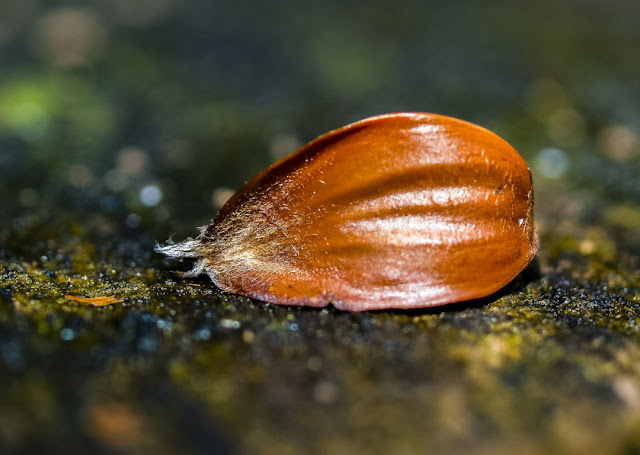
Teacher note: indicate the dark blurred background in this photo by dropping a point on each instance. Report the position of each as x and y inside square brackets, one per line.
[146, 114]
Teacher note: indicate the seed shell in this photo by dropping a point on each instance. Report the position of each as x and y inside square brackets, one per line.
[403, 210]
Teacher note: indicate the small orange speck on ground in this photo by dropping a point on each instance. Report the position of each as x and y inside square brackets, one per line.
[95, 301]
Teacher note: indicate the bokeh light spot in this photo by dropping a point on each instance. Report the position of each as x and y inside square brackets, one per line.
[80, 176]
[25, 110]
[69, 37]
[283, 145]
[220, 196]
[619, 143]
[132, 161]
[150, 195]
[552, 162]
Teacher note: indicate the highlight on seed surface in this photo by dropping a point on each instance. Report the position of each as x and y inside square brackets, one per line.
[404, 210]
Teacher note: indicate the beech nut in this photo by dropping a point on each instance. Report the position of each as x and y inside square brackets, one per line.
[404, 210]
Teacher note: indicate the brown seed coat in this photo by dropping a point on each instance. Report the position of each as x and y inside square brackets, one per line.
[396, 211]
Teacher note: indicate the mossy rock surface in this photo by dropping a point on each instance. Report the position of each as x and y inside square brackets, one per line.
[549, 364]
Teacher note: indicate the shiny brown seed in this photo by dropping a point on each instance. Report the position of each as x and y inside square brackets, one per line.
[402, 210]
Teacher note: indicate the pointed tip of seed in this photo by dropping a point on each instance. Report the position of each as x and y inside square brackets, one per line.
[190, 248]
